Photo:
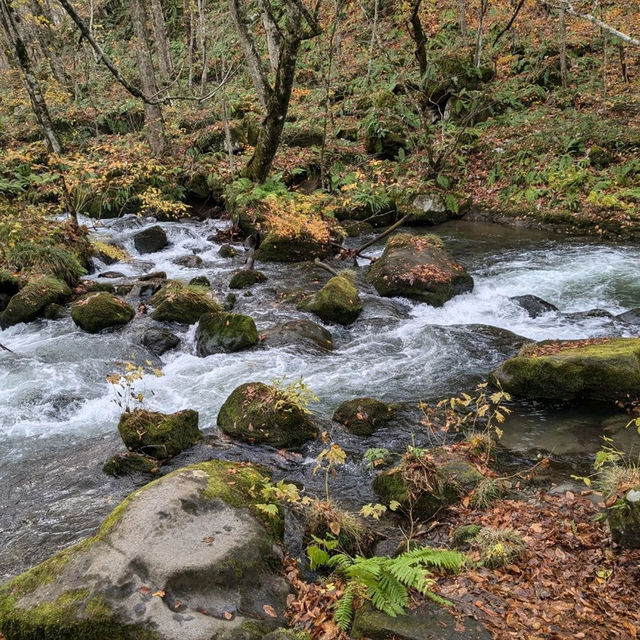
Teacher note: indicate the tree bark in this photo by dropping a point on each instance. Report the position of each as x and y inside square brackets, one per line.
[603, 25]
[11, 29]
[480, 33]
[420, 40]
[272, 32]
[152, 111]
[202, 32]
[187, 9]
[47, 40]
[462, 17]
[165, 65]
[563, 48]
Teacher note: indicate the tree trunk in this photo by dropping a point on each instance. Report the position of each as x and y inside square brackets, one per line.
[462, 17]
[165, 66]
[480, 33]
[417, 33]
[272, 33]
[10, 27]
[187, 9]
[202, 33]
[259, 165]
[152, 112]
[623, 63]
[563, 47]
[48, 44]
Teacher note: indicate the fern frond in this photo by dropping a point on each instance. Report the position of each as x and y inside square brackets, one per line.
[344, 607]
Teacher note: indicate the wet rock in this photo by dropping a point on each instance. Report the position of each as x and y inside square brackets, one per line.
[109, 252]
[129, 463]
[230, 301]
[338, 301]
[533, 305]
[624, 519]
[158, 434]
[301, 333]
[286, 634]
[246, 278]
[588, 315]
[9, 284]
[630, 317]
[159, 341]
[227, 251]
[355, 228]
[200, 281]
[55, 311]
[276, 248]
[150, 240]
[111, 275]
[429, 621]
[362, 416]
[154, 275]
[436, 208]
[418, 267]
[442, 478]
[176, 302]
[142, 576]
[262, 414]
[100, 310]
[189, 261]
[225, 333]
[29, 303]
[4, 301]
[599, 371]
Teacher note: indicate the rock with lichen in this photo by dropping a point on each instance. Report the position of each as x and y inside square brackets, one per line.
[338, 301]
[100, 310]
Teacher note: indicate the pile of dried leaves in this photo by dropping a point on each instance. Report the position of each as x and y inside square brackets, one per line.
[551, 348]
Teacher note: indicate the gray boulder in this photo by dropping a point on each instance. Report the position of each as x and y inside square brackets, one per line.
[533, 305]
[305, 334]
[150, 240]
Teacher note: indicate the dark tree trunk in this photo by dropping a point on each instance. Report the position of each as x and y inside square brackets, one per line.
[165, 66]
[420, 40]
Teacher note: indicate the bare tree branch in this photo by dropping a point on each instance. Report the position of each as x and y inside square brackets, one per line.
[603, 25]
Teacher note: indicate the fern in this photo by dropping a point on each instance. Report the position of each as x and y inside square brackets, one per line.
[344, 607]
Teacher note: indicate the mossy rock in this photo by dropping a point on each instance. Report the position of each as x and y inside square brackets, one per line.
[55, 311]
[418, 267]
[287, 634]
[130, 463]
[338, 301]
[435, 208]
[303, 334]
[29, 303]
[295, 135]
[225, 333]
[158, 434]
[362, 416]
[199, 520]
[9, 283]
[100, 310]
[603, 371]
[262, 414]
[244, 278]
[227, 251]
[176, 302]
[356, 228]
[440, 480]
[624, 519]
[277, 248]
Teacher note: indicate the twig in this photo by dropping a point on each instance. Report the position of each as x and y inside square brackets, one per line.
[6, 348]
[325, 266]
[384, 234]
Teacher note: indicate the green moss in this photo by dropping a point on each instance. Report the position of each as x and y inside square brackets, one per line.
[225, 333]
[276, 248]
[245, 278]
[159, 434]
[100, 310]
[363, 416]
[129, 463]
[176, 302]
[30, 301]
[604, 371]
[338, 301]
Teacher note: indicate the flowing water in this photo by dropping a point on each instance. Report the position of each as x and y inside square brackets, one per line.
[58, 415]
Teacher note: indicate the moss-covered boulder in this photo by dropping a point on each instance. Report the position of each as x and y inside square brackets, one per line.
[227, 251]
[418, 267]
[304, 335]
[159, 435]
[427, 481]
[297, 248]
[190, 555]
[338, 301]
[225, 333]
[176, 302]
[244, 278]
[263, 414]
[603, 369]
[362, 416]
[435, 208]
[130, 463]
[9, 283]
[29, 303]
[100, 310]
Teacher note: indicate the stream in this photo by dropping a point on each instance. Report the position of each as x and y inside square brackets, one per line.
[58, 416]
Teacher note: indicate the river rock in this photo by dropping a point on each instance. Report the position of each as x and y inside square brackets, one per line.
[153, 275]
[418, 267]
[29, 303]
[190, 261]
[533, 305]
[355, 228]
[130, 463]
[630, 317]
[573, 369]
[9, 284]
[624, 519]
[436, 208]
[159, 341]
[227, 251]
[150, 240]
[244, 278]
[338, 301]
[362, 416]
[450, 476]
[55, 311]
[577, 316]
[187, 557]
[429, 621]
[225, 333]
[302, 333]
[100, 310]
[176, 302]
[278, 248]
[111, 275]
[200, 281]
[157, 434]
[262, 414]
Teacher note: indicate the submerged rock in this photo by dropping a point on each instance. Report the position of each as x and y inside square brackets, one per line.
[244, 278]
[150, 240]
[362, 416]
[227, 251]
[262, 414]
[187, 557]
[605, 369]
[189, 261]
[100, 310]
[159, 341]
[176, 302]
[338, 301]
[55, 311]
[159, 435]
[200, 281]
[533, 305]
[29, 303]
[302, 333]
[630, 317]
[418, 267]
[130, 463]
[225, 333]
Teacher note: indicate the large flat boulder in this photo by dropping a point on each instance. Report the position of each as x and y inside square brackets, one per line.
[187, 557]
[602, 369]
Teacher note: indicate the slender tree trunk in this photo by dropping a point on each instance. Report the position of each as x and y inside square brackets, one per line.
[189, 35]
[152, 112]
[374, 34]
[480, 33]
[272, 33]
[48, 44]
[623, 63]
[419, 38]
[202, 33]
[10, 27]
[462, 17]
[165, 65]
[563, 47]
